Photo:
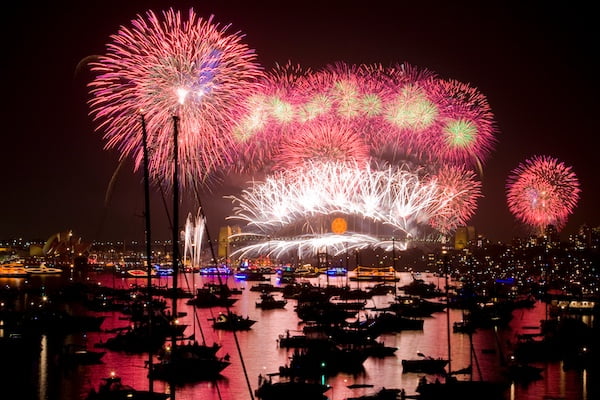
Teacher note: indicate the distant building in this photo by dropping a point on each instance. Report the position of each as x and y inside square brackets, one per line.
[463, 236]
[585, 232]
[551, 237]
[225, 233]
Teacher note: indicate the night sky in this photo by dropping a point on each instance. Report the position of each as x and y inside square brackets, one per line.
[536, 64]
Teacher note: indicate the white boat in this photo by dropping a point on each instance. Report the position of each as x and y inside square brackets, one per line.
[138, 273]
[13, 270]
[43, 269]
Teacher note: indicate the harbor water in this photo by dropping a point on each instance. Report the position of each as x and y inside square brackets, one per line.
[256, 352]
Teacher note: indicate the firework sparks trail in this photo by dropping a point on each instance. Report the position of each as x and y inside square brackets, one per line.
[164, 65]
[193, 236]
[542, 191]
[307, 245]
[405, 200]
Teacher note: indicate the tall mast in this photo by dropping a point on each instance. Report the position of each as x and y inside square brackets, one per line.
[394, 263]
[175, 258]
[148, 244]
[447, 271]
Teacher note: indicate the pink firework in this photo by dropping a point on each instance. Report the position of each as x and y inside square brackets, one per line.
[353, 93]
[271, 114]
[542, 191]
[459, 192]
[323, 140]
[410, 107]
[291, 100]
[173, 65]
[465, 133]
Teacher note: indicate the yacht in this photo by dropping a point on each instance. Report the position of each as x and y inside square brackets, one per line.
[43, 269]
[13, 270]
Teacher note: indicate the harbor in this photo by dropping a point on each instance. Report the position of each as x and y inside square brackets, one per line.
[258, 352]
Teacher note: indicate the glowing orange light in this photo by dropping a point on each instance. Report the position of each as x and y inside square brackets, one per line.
[339, 226]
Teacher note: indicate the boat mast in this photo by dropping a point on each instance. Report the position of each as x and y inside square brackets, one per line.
[447, 268]
[175, 258]
[214, 257]
[148, 245]
[394, 264]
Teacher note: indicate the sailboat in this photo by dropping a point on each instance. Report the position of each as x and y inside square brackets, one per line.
[452, 387]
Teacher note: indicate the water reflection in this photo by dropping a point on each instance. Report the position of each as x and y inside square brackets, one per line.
[261, 354]
[43, 363]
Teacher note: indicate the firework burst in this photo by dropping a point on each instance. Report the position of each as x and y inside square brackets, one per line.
[272, 115]
[465, 134]
[332, 131]
[461, 191]
[542, 191]
[322, 141]
[355, 94]
[390, 200]
[171, 64]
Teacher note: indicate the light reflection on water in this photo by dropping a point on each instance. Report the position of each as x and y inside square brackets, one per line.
[261, 354]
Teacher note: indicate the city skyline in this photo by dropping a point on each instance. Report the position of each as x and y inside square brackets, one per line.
[532, 64]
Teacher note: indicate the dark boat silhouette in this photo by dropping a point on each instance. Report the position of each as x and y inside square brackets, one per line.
[324, 359]
[290, 389]
[269, 302]
[112, 388]
[185, 364]
[381, 394]
[415, 306]
[425, 364]
[453, 388]
[75, 354]
[144, 336]
[231, 321]
[206, 298]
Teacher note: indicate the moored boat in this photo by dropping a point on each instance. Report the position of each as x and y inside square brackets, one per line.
[373, 274]
[292, 389]
[74, 354]
[205, 298]
[453, 388]
[163, 270]
[336, 271]
[250, 275]
[189, 363]
[232, 322]
[265, 287]
[382, 394]
[43, 269]
[112, 388]
[269, 302]
[13, 270]
[137, 273]
[425, 364]
[216, 270]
